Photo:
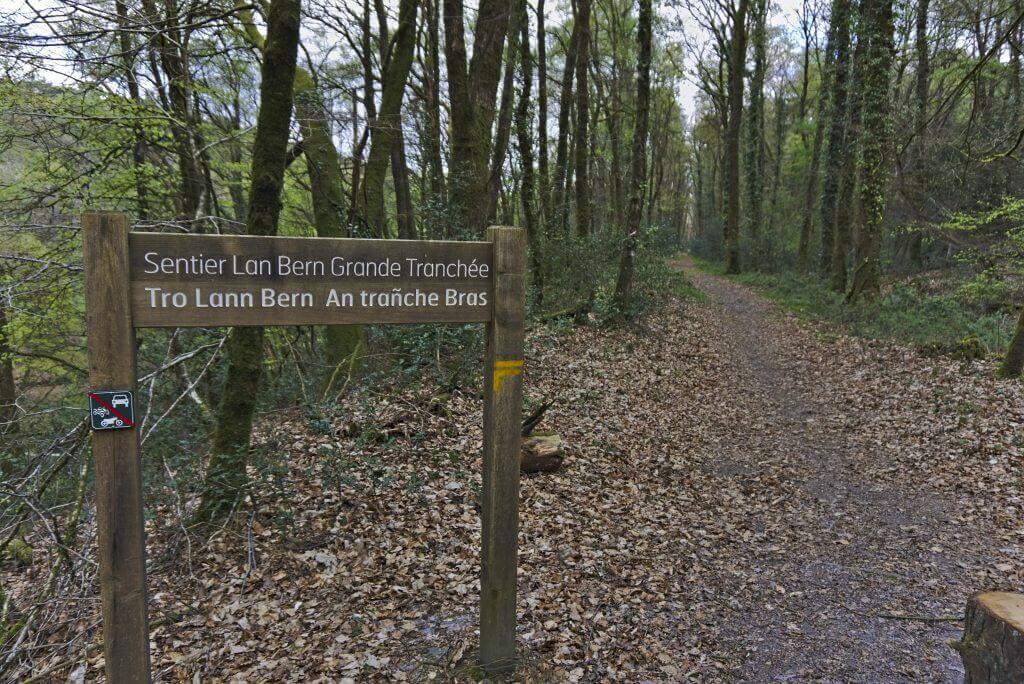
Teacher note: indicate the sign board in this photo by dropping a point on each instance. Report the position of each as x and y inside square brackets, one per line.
[145, 280]
[112, 409]
[210, 280]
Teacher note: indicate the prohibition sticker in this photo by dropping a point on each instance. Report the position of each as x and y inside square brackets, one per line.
[112, 410]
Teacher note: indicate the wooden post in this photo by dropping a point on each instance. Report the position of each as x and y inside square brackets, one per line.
[118, 470]
[503, 402]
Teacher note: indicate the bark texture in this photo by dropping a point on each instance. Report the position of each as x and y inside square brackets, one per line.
[472, 91]
[737, 59]
[876, 147]
[226, 475]
[992, 647]
[1013, 362]
[835, 113]
[624, 281]
[385, 128]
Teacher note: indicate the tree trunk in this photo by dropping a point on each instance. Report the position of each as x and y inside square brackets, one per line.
[386, 125]
[845, 209]
[754, 166]
[226, 476]
[542, 113]
[167, 40]
[125, 43]
[876, 146]
[780, 138]
[836, 113]
[432, 91]
[404, 213]
[1013, 362]
[556, 203]
[583, 209]
[323, 164]
[921, 116]
[472, 90]
[992, 647]
[524, 121]
[8, 390]
[737, 58]
[624, 281]
[504, 126]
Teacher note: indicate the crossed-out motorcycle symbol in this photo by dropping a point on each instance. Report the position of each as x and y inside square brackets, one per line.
[100, 412]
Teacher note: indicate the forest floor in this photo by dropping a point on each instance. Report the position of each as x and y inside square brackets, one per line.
[746, 497]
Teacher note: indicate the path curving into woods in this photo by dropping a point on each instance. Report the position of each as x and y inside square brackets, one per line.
[886, 489]
[745, 497]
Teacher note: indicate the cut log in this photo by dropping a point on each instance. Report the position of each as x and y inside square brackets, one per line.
[541, 454]
[992, 647]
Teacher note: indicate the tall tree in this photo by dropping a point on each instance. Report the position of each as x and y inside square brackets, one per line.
[385, 127]
[524, 139]
[584, 215]
[845, 209]
[343, 343]
[737, 66]
[922, 76]
[876, 153]
[754, 139]
[624, 282]
[814, 165]
[542, 112]
[836, 113]
[226, 476]
[1013, 361]
[472, 91]
[556, 203]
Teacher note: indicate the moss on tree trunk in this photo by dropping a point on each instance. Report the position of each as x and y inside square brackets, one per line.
[1013, 362]
[226, 476]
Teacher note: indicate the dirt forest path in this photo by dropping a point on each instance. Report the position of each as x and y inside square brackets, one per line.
[745, 497]
[859, 568]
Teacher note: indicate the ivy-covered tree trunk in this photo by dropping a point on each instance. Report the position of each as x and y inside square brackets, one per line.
[835, 112]
[845, 209]
[384, 126]
[638, 171]
[876, 152]
[737, 61]
[226, 475]
[754, 139]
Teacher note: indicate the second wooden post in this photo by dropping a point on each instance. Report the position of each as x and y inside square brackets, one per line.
[115, 453]
[503, 403]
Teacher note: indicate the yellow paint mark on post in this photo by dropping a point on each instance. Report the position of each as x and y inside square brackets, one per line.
[506, 369]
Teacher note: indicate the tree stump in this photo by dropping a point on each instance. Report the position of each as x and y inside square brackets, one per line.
[542, 453]
[992, 647]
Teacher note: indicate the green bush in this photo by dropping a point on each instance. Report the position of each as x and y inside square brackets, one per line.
[934, 323]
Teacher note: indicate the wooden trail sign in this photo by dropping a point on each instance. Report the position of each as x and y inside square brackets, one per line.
[139, 280]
